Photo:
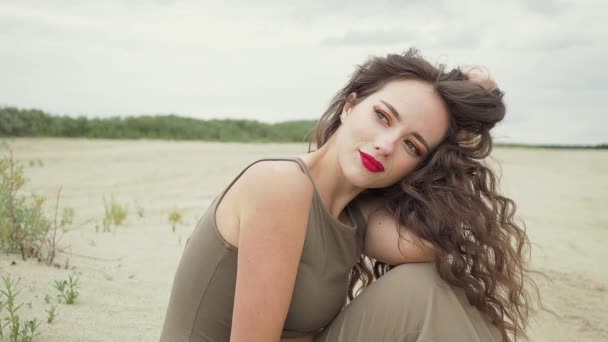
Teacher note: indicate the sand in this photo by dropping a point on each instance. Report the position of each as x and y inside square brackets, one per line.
[126, 275]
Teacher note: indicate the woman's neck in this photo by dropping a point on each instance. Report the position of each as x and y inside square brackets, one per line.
[335, 190]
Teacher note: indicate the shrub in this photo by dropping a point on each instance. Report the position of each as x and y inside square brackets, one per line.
[24, 227]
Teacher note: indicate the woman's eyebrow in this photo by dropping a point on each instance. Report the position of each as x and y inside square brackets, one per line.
[392, 109]
[419, 137]
[396, 115]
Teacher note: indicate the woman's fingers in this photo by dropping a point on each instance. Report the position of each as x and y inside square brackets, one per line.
[479, 75]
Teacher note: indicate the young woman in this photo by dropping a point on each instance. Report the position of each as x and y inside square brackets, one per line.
[398, 177]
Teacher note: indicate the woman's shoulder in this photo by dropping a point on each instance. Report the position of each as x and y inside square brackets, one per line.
[275, 180]
[266, 190]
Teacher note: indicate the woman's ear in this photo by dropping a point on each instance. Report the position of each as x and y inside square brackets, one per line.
[349, 103]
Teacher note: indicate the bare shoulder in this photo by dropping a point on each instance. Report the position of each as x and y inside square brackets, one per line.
[276, 182]
[264, 187]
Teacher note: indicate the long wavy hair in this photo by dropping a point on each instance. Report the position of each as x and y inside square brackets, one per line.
[451, 198]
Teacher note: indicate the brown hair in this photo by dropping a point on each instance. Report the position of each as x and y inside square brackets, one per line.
[451, 198]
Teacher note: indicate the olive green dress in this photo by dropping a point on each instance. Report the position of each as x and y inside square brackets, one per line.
[202, 297]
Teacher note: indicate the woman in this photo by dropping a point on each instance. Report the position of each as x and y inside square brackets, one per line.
[397, 178]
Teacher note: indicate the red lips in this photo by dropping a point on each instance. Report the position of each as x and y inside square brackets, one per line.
[371, 163]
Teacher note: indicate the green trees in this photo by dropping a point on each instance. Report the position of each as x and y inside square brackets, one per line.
[35, 123]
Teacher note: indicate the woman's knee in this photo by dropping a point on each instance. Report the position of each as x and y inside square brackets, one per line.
[424, 273]
[393, 306]
[409, 282]
[401, 297]
[432, 308]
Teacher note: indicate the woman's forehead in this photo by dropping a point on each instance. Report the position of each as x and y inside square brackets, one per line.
[407, 88]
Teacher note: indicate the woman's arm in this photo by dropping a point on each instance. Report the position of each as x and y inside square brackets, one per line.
[274, 203]
[384, 243]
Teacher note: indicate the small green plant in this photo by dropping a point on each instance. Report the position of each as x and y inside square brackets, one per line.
[52, 313]
[9, 293]
[3, 323]
[68, 289]
[18, 331]
[114, 214]
[175, 218]
[29, 330]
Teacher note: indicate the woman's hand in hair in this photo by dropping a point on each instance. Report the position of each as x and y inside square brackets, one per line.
[479, 75]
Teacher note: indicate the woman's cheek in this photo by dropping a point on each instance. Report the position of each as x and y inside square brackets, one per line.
[406, 168]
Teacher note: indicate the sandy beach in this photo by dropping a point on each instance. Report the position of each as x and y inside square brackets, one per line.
[126, 274]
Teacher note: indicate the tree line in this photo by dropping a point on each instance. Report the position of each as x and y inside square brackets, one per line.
[15, 122]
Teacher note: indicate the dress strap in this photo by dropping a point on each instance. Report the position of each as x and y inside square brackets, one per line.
[304, 169]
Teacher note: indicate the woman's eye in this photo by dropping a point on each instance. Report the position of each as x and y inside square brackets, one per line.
[382, 117]
[412, 147]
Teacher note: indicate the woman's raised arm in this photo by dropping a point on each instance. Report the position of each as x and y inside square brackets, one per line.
[274, 205]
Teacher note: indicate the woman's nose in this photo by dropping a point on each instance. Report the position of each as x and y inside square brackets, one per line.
[385, 145]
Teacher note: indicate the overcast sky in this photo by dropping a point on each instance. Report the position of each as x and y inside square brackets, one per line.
[283, 60]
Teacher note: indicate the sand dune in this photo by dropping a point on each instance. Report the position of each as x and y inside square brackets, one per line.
[126, 275]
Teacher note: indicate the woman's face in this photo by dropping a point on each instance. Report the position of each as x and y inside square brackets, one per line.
[385, 136]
